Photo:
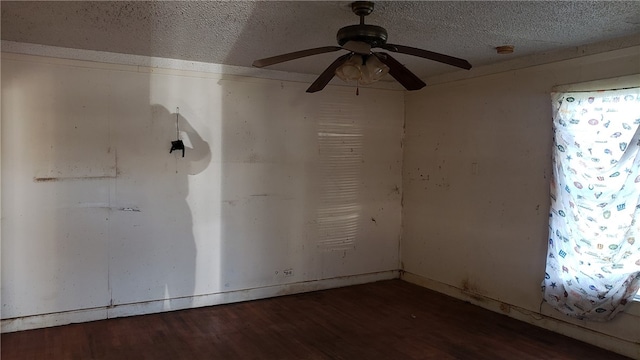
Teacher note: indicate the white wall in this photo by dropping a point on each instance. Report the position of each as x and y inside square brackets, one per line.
[98, 220]
[477, 162]
[280, 191]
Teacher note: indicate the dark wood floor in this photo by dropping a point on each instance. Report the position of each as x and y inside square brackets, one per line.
[384, 320]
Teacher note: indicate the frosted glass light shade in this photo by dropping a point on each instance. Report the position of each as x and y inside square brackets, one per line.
[351, 69]
[354, 70]
[374, 70]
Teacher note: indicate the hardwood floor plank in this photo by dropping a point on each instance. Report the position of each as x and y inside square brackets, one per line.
[384, 320]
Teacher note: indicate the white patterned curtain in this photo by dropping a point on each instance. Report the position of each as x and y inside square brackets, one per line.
[593, 258]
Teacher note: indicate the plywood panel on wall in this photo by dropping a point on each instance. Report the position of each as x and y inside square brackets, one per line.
[56, 162]
[276, 186]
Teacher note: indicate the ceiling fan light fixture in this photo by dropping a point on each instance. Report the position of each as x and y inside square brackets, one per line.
[351, 70]
[374, 70]
[364, 70]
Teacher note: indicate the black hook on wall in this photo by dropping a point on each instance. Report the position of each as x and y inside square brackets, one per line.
[177, 144]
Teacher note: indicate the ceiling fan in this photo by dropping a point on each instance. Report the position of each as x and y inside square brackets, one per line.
[362, 64]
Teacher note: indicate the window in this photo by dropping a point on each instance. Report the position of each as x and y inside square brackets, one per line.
[593, 258]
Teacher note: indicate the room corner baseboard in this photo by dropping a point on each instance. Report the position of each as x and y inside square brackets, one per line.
[150, 307]
[620, 346]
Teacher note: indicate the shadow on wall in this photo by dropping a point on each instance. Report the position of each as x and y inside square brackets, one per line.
[94, 208]
[94, 205]
[153, 251]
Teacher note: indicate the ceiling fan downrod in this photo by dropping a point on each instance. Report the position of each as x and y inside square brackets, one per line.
[362, 9]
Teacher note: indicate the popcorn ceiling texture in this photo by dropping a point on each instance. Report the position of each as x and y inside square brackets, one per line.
[238, 32]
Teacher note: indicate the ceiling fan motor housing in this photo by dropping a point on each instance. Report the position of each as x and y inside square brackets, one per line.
[371, 34]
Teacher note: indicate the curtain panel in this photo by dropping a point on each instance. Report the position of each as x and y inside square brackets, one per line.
[593, 257]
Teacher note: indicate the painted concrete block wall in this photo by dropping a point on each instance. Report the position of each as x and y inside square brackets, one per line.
[277, 186]
[477, 163]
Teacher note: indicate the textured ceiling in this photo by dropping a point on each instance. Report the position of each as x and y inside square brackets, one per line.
[238, 32]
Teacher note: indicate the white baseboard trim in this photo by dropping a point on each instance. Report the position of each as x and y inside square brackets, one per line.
[150, 307]
[605, 341]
